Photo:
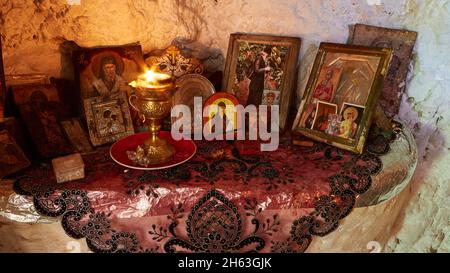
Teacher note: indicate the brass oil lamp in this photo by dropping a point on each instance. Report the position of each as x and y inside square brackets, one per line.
[152, 99]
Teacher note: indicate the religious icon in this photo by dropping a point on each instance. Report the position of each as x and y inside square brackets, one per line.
[259, 69]
[258, 65]
[345, 80]
[402, 42]
[334, 125]
[324, 110]
[41, 109]
[327, 84]
[106, 71]
[109, 81]
[12, 159]
[108, 119]
[222, 113]
[308, 119]
[271, 98]
[351, 115]
[222, 118]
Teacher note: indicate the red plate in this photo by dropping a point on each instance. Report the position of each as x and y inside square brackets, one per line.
[184, 150]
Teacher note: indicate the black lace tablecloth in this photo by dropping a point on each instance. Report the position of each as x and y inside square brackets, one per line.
[226, 199]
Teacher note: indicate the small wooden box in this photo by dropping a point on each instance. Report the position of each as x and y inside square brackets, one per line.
[68, 168]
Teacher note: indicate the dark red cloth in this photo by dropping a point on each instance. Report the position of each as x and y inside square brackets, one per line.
[309, 189]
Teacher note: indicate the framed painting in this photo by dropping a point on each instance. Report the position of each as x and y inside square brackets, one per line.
[341, 94]
[108, 119]
[41, 109]
[12, 159]
[107, 71]
[262, 69]
[402, 43]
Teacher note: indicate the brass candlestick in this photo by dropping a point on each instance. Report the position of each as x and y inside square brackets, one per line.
[153, 100]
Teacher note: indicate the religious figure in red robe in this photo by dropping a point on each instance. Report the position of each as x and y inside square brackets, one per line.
[324, 90]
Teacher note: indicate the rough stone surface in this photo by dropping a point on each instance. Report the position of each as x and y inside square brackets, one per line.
[32, 32]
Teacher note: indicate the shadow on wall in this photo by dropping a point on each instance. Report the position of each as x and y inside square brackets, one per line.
[66, 49]
[430, 142]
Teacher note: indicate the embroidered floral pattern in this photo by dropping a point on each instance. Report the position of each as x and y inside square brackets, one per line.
[214, 223]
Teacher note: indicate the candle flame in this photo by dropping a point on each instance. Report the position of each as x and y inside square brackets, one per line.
[150, 79]
[152, 76]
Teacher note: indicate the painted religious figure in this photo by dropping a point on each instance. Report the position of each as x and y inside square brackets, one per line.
[109, 123]
[309, 116]
[257, 77]
[324, 110]
[109, 81]
[327, 83]
[260, 69]
[222, 116]
[271, 97]
[108, 120]
[258, 65]
[222, 122]
[345, 82]
[324, 91]
[41, 109]
[351, 115]
[105, 72]
[334, 125]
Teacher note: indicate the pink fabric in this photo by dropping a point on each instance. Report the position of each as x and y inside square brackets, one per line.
[300, 176]
[284, 195]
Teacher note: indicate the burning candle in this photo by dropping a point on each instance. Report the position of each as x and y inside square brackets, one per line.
[153, 100]
[153, 80]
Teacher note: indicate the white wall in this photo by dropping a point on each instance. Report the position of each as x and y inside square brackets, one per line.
[33, 30]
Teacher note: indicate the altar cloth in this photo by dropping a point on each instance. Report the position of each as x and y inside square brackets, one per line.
[221, 200]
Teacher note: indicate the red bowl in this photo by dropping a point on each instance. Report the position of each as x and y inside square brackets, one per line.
[184, 150]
